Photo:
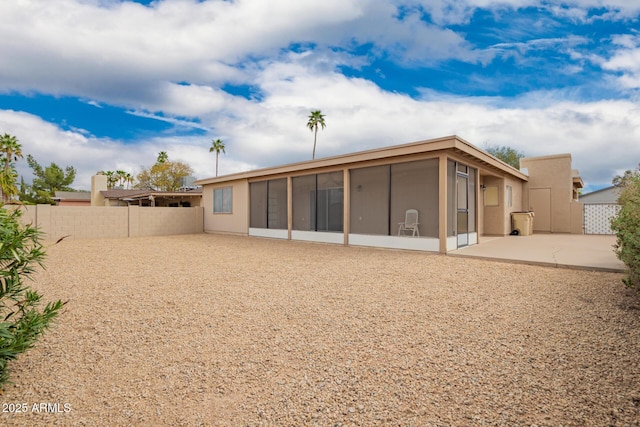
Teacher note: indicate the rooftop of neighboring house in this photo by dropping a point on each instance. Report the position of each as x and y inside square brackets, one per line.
[137, 194]
[72, 195]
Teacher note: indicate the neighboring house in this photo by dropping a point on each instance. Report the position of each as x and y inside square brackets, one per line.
[607, 195]
[460, 192]
[72, 198]
[600, 207]
[101, 196]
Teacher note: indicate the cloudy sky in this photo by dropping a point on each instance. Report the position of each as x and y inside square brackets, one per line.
[107, 84]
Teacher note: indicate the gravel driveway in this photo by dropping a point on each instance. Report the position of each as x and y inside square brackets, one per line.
[231, 331]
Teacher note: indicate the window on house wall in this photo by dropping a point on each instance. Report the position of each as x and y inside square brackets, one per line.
[509, 196]
[491, 196]
[222, 200]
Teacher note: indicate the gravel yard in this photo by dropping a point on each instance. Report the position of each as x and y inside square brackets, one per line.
[233, 331]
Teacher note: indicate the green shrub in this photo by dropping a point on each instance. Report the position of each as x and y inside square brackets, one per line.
[21, 320]
[627, 226]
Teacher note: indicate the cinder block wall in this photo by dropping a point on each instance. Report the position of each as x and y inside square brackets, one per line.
[164, 221]
[113, 222]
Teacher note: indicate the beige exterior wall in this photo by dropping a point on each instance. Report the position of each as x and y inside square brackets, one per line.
[496, 218]
[98, 184]
[493, 213]
[75, 203]
[236, 222]
[167, 221]
[108, 222]
[553, 173]
[577, 218]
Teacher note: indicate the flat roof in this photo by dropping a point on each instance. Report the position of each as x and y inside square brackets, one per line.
[454, 142]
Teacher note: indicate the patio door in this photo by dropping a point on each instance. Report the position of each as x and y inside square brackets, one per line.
[462, 191]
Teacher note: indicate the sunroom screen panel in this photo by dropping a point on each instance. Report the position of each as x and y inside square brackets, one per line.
[304, 202]
[277, 204]
[414, 185]
[369, 209]
[330, 202]
[258, 207]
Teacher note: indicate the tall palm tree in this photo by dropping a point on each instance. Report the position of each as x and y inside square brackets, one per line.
[217, 146]
[121, 176]
[162, 157]
[10, 151]
[316, 118]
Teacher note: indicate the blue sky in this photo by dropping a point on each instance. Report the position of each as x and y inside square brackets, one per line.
[107, 84]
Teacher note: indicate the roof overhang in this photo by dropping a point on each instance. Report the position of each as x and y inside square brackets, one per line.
[155, 195]
[452, 143]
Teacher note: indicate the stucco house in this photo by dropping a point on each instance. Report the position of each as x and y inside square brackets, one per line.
[102, 196]
[607, 195]
[72, 198]
[459, 191]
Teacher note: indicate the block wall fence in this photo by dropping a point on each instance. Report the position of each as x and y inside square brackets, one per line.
[112, 222]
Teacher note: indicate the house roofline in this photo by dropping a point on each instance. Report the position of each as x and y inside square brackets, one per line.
[611, 187]
[425, 146]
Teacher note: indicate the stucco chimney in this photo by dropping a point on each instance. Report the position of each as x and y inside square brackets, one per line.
[98, 184]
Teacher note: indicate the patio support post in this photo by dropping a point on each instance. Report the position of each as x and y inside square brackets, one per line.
[346, 186]
[442, 200]
[289, 206]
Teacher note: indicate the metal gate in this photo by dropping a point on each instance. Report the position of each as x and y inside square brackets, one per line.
[597, 217]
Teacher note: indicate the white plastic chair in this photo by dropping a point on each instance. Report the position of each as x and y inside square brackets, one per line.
[410, 223]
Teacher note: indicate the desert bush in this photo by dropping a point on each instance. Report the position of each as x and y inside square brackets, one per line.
[627, 226]
[22, 321]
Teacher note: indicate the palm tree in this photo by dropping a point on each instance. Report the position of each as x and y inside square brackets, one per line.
[162, 157]
[217, 146]
[121, 176]
[10, 151]
[316, 118]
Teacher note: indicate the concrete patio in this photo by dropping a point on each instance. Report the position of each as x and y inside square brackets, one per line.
[588, 252]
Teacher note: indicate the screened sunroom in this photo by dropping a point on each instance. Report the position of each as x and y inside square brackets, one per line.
[421, 196]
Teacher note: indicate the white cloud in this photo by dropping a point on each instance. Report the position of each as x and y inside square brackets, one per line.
[134, 50]
[626, 60]
[169, 61]
[359, 116]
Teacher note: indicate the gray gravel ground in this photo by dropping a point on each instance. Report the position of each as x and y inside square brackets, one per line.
[235, 331]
